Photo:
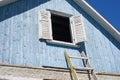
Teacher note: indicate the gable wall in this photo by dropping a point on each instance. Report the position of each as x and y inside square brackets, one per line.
[19, 34]
[103, 50]
[19, 42]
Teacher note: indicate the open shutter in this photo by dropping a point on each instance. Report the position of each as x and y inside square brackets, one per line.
[78, 29]
[45, 30]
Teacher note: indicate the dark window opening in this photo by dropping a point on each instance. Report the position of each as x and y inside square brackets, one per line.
[61, 28]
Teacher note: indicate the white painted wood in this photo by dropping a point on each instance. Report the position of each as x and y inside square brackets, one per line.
[45, 29]
[63, 43]
[60, 13]
[78, 30]
[4, 2]
[17, 78]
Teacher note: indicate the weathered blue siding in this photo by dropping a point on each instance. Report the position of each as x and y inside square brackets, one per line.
[102, 49]
[19, 43]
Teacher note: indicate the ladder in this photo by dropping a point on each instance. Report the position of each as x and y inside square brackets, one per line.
[73, 69]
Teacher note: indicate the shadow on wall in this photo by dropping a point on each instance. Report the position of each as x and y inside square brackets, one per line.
[96, 25]
[18, 7]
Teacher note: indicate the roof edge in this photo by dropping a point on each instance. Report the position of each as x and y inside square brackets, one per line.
[99, 18]
[5, 2]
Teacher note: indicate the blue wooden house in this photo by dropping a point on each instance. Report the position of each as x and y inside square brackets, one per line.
[34, 34]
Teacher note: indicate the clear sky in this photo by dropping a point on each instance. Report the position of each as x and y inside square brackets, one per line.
[110, 9]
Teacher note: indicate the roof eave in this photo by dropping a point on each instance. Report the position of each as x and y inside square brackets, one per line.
[5, 2]
[100, 19]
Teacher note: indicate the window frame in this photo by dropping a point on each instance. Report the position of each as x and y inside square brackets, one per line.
[76, 26]
[70, 44]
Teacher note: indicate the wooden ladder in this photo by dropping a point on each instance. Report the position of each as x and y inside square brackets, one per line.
[73, 69]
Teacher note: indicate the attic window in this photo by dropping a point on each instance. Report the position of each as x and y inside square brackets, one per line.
[61, 28]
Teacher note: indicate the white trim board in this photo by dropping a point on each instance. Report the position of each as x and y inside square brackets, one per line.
[17, 78]
[5, 2]
[100, 19]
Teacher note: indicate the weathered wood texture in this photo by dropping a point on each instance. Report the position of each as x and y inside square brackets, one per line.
[103, 50]
[16, 73]
[19, 42]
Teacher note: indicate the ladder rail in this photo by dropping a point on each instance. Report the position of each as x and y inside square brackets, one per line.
[73, 71]
[87, 67]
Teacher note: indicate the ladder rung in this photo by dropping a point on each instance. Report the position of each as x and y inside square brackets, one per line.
[83, 68]
[77, 57]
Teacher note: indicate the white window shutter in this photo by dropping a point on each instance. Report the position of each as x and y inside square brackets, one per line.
[45, 29]
[78, 29]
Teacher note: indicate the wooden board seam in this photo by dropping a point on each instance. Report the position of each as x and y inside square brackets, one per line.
[55, 69]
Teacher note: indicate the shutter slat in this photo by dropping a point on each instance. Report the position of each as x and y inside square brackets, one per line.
[78, 28]
[45, 30]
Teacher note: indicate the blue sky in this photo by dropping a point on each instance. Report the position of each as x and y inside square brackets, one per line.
[110, 9]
